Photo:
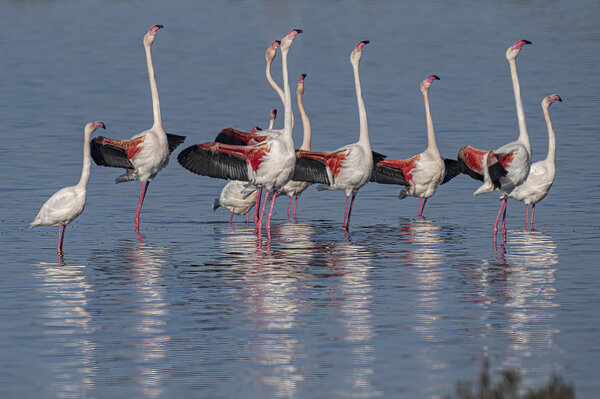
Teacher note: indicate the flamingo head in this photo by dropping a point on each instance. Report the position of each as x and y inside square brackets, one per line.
[272, 51]
[548, 101]
[149, 37]
[91, 126]
[273, 114]
[287, 40]
[300, 85]
[513, 51]
[427, 82]
[357, 52]
[255, 129]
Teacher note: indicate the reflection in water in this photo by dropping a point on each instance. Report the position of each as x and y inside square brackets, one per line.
[269, 269]
[353, 262]
[66, 325]
[148, 313]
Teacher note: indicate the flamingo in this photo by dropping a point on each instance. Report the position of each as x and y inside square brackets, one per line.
[347, 168]
[269, 164]
[296, 187]
[234, 196]
[508, 166]
[68, 202]
[146, 153]
[541, 175]
[423, 173]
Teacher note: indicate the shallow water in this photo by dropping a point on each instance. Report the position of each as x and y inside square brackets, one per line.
[399, 307]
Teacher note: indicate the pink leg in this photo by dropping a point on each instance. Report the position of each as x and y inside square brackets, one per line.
[247, 218]
[504, 216]
[61, 236]
[271, 210]
[526, 214]
[345, 213]
[231, 218]
[257, 206]
[295, 205]
[262, 211]
[423, 208]
[498, 217]
[143, 190]
[349, 213]
[420, 202]
[532, 211]
[289, 205]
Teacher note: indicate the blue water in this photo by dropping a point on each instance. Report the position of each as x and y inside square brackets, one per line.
[400, 307]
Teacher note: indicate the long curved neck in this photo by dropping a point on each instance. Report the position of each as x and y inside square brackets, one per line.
[273, 84]
[85, 171]
[305, 124]
[362, 113]
[523, 136]
[431, 144]
[153, 89]
[551, 140]
[287, 104]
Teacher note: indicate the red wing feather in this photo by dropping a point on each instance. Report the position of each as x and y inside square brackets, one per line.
[131, 146]
[505, 159]
[472, 157]
[405, 165]
[252, 154]
[333, 160]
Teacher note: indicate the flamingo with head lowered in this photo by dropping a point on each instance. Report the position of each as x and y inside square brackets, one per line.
[347, 168]
[146, 153]
[68, 203]
[423, 173]
[508, 166]
[269, 164]
[542, 173]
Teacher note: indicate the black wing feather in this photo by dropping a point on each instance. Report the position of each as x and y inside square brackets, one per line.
[174, 141]
[225, 138]
[451, 170]
[109, 155]
[377, 157]
[310, 170]
[213, 163]
[496, 171]
[387, 175]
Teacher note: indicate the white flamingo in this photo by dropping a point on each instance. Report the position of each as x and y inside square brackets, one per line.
[541, 175]
[508, 166]
[347, 168]
[269, 164]
[296, 187]
[423, 173]
[146, 153]
[68, 203]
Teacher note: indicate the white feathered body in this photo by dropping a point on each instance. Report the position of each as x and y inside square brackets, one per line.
[517, 169]
[234, 199]
[538, 183]
[150, 159]
[427, 175]
[62, 208]
[277, 164]
[355, 171]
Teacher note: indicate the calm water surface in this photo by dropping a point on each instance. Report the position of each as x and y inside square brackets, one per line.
[400, 307]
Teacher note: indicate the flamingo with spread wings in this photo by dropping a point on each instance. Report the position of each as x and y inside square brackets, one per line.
[269, 164]
[146, 153]
[508, 166]
[423, 173]
[347, 168]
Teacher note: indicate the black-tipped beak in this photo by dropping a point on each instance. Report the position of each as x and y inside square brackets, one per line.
[526, 41]
[298, 30]
[159, 26]
[303, 75]
[436, 77]
[366, 41]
